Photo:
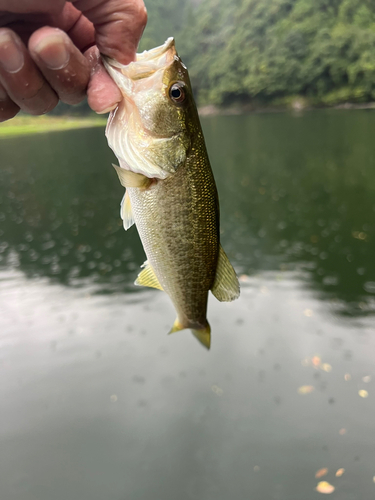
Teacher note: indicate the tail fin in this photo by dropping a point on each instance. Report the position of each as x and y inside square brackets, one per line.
[177, 326]
[202, 334]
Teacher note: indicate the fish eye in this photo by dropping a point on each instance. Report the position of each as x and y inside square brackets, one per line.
[177, 93]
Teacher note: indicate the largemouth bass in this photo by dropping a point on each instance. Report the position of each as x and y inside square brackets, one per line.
[170, 189]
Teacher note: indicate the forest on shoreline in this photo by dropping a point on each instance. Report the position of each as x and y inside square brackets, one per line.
[275, 54]
[271, 52]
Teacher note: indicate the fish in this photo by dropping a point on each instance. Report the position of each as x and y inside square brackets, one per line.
[170, 191]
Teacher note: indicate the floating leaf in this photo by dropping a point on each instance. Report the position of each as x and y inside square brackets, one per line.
[359, 235]
[256, 468]
[316, 361]
[308, 313]
[339, 472]
[369, 286]
[363, 393]
[321, 473]
[243, 278]
[305, 389]
[366, 379]
[217, 390]
[326, 367]
[113, 398]
[347, 377]
[325, 488]
[342, 431]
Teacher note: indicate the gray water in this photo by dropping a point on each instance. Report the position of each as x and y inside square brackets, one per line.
[98, 403]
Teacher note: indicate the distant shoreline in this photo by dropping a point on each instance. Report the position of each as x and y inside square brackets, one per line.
[27, 125]
[296, 106]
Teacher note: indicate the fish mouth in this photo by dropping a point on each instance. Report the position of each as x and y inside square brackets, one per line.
[156, 53]
[146, 64]
[128, 131]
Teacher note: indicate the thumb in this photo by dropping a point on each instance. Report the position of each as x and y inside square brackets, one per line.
[119, 25]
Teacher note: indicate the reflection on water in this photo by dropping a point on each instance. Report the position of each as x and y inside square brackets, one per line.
[296, 193]
[60, 210]
[98, 402]
[299, 193]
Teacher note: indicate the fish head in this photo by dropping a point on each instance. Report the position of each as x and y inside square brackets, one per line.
[150, 131]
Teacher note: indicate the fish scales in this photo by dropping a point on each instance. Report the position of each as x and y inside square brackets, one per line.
[170, 188]
[177, 220]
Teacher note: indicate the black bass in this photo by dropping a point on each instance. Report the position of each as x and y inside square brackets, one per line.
[170, 189]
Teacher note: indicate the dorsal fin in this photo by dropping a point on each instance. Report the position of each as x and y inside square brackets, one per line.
[147, 277]
[226, 286]
[126, 212]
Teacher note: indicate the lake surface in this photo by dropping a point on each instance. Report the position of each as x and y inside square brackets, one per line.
[97, 402]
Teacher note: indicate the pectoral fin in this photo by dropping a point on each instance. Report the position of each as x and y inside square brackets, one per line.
[147, 277]
[132, 179]
[226, 287]
[126, 212]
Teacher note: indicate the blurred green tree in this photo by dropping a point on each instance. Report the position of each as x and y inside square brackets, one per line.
[272, 50]
[269, 51]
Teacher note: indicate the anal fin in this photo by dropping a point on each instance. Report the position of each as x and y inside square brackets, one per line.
[226, 286]
[147, 277]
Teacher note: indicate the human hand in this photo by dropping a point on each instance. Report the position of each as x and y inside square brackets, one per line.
[50, 51]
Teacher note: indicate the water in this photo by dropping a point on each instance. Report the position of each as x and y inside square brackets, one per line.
[97, 402]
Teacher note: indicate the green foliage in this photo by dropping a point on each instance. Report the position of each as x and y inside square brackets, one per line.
[270, 50]
[165, 18]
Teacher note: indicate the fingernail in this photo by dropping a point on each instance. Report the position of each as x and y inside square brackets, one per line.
[53, 51]
[11, 55]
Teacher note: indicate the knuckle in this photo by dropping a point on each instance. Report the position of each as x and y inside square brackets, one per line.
[43, 101]
[72, 85]
[134, 12]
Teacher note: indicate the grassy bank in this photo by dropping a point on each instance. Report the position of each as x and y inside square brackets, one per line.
[25, 125]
